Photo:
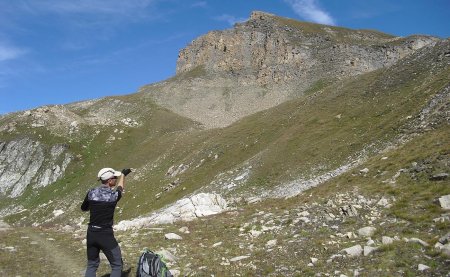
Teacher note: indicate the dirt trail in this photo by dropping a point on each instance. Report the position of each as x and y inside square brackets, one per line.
[62, 261]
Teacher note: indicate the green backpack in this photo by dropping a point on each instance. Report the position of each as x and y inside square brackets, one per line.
[151, 264]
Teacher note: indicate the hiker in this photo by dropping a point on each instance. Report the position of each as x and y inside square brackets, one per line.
[101, 202]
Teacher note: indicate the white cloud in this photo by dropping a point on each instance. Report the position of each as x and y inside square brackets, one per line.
[230, 19]
[10, 52]
[109, 7]
[309, 10]
[201, 4]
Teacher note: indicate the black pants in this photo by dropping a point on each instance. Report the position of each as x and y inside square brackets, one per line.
[104, 240]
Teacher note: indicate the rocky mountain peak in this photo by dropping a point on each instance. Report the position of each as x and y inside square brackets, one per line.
[275, 59]
[259, 15]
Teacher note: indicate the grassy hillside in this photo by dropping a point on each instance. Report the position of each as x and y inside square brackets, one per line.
[299, 228]
[300, 139]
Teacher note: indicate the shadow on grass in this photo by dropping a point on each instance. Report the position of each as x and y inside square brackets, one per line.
[125, 273]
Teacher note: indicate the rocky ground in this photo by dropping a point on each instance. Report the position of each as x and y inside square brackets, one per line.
[347, 234]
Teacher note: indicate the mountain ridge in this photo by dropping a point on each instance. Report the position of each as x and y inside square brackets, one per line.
[275, 60]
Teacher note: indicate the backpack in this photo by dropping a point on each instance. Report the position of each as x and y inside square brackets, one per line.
[151, 264]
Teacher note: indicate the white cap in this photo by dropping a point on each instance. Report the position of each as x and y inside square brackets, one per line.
[108, 173]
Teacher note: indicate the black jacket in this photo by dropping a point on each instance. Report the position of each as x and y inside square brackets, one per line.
[101, 202]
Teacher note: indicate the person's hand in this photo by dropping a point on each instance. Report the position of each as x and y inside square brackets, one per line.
[126, 171]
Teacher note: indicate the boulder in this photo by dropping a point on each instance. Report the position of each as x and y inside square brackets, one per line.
[271, 243]
[189, 208]
[369, 249]
[444, 201]
[353, 251]
[422, 267]
[443, 248]
[184, 230]
[423, 243]
[172, 236]
[445, 239]
[57, 212]
[439, 177]
[364, 170]
[367, 231]
[387, 240]
[383, 202]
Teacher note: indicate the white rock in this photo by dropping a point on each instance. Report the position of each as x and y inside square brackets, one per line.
[184, 230]
[314, 260]
[217, 244]
[445, 202]
[172, 236]
[369, 249]
[367, 231]
[304, 219]
[271, 243]
[423, 243]
[255, 233]
[383, 202]
[58, 212]
[350, 235]
[423, 267]
[239, 258]
[199, 205]
[364, 170]
[387, 240]
[370, 242]
[304, 213]
[444, 248]
[354, 251]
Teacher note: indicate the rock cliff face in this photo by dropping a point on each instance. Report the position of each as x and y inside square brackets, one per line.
[267, 49]
[25, 162]
[268, 60]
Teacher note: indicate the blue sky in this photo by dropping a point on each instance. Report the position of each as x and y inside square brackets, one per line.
[62, 51]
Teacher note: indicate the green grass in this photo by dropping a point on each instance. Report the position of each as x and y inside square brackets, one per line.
[285, 142]
[39, 252]
[340, 34]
